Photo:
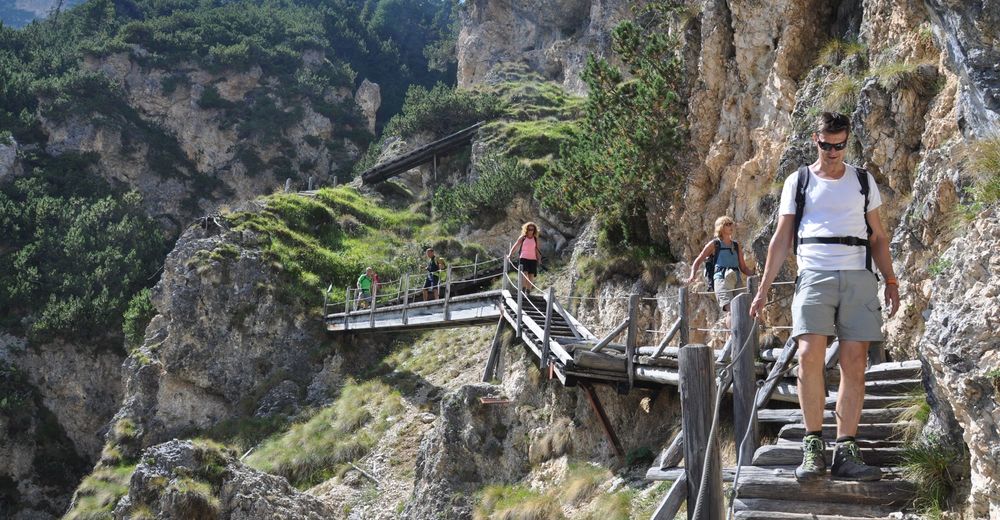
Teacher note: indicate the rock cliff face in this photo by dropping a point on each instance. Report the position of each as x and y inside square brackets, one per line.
[221, 341]
[961, 347]
[920, 82]
[207, 139]
[552, 38]
[182, 479]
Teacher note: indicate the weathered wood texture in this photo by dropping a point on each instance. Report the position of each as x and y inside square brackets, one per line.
[698, 393]
[744, 346]
[671, 503]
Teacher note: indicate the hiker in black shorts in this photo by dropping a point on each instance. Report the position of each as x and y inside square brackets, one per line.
[431, 285]
[530, 253]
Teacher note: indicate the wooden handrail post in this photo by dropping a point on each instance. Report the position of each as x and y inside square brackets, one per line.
[326, 297]
[698, 393]
[475, 266]
[682, 311]
[744, 376]
[631, 337]
[347, 305]
[371, 311]
[447, 294]
[503, 279]
[520, 299]
[548, 325]
[406, 295]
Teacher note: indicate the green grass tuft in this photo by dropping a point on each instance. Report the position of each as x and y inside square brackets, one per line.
[99, 492]
[842, 94]
[836, 50]
[938, 267]
[516, 503]
[983, 161]
[927, 462]
[313, 451]
[582, 481]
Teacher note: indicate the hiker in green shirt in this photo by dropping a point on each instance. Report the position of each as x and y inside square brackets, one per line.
[365, 283]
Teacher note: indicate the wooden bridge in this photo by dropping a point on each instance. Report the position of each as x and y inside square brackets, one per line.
[762, 389]
[421, 155]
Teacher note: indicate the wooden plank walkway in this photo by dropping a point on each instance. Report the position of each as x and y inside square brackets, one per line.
[420, 155]
[567, 351]
[768, 489]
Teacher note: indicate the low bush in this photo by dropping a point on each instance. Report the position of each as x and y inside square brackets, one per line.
[927, 462]
[500, 179]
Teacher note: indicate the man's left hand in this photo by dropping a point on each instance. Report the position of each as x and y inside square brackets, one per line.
[892, 298]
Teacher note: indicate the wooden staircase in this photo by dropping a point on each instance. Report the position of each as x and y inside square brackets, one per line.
[768, 488]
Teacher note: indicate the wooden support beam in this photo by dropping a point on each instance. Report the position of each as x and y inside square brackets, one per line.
[744, 347]
[611, 335]
[773, 378]
[673, 454]
[631, 337]
[833, 354]
[496, 352]
[546, 334]
[671, 503]
[595, 403]
[666, 339]
[698, 394]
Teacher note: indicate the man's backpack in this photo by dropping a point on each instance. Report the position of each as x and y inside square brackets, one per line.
[800, 207]
[710, 262]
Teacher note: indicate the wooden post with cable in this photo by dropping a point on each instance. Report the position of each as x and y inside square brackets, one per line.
[548, 326]
[631, 338]
[447, 294]
[744, 349]
[406, 296]
[347, 306]
[698, 394]
[684, 330]
[520, 300]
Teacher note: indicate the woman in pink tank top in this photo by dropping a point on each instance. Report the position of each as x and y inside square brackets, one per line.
[530, 256]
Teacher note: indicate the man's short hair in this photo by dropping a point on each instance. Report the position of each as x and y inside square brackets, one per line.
[833, 123]
[429, 250]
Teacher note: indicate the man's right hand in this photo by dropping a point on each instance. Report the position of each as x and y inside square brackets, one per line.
[759, 301]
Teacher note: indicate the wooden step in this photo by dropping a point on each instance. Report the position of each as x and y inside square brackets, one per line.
[778, 482]
[794, 415]
[893, 387]
[774, 515]
[911, 369]
[876, 431]
[764, 505]
[871, 401]
[791, 454]
[862, 443]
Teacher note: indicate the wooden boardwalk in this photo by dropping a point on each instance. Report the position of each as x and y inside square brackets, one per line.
[569, 352]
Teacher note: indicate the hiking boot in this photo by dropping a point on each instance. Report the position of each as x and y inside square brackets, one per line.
[847, 464]
[813, 465]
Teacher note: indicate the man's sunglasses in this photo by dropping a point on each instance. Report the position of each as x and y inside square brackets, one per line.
[832, 146]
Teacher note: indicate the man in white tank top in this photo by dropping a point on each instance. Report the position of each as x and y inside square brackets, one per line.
[835, 293]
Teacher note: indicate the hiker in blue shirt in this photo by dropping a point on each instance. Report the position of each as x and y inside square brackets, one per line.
[725, 263]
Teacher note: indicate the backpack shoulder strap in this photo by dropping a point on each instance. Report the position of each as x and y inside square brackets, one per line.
[865, 191]
[801, 184]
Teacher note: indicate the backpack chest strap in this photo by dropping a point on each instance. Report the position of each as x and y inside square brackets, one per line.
[847, 241]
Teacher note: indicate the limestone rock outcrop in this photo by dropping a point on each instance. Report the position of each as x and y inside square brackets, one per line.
[552, 38]
[197, 145]
[184, 479]
[220, 342]
[962, 349]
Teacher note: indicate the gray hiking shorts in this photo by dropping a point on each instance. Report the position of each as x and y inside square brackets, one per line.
[837, 303]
